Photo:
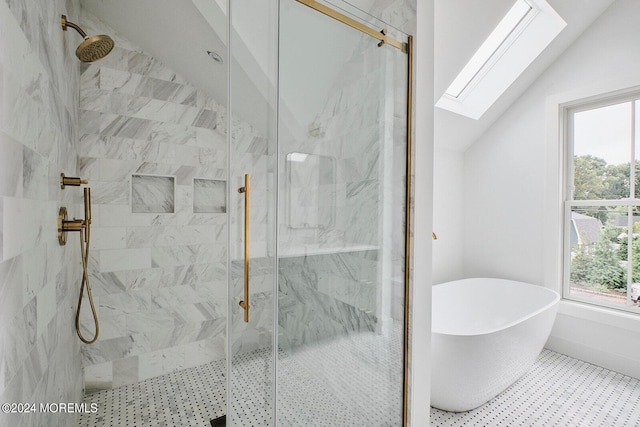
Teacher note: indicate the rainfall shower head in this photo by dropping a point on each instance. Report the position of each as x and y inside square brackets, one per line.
[92, 48]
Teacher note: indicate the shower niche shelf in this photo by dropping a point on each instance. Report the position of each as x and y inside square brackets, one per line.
[153, 194]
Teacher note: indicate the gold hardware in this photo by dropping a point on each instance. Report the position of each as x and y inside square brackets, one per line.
[434, 236]
[65, 225]
[65, 24]
[87, 214]
[384, 33]
[62, 219]
[247, 202]
[92, 48]
[84, 229]
[407, 233]
[67, 180]
[381, 36]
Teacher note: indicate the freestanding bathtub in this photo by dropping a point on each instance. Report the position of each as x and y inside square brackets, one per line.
[486, 334]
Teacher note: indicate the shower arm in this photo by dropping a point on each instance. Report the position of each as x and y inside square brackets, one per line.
[66, 24]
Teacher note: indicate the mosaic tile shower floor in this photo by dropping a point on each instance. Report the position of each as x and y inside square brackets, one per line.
[557, 391]
[312, 390]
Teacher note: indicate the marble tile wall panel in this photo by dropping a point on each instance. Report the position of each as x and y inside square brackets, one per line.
[124, 259]
[323, 296]
[308, 316]
[209, 196]
[159, 279]
[39, 80]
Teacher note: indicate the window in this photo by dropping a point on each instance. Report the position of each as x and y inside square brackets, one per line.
[602, 204]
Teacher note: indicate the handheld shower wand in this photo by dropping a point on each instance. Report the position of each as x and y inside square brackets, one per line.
[84, 228]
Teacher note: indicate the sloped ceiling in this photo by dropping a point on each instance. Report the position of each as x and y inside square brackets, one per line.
[177, 33]
[461, 26]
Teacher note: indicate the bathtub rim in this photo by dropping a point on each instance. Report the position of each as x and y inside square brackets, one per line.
[555, 301]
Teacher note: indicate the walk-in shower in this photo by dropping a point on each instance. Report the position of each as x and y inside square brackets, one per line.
[249, 217]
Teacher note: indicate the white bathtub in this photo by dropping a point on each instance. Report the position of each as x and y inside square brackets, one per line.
[486, 334]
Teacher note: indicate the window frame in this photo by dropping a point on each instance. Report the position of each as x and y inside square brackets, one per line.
[567, 202]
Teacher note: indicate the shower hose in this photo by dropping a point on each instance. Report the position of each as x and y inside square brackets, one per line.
[84, 254]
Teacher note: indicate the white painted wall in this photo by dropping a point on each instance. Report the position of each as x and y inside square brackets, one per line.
[448, 215]
[420, 316]
[511, 207]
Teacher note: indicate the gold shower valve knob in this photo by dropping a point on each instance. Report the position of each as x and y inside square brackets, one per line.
[73, 181]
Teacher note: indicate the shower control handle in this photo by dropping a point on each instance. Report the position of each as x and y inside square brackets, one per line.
[66, 225]
[247, 204]
[73, 181]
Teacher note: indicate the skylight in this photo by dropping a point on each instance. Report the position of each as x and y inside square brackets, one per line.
[522, 34]
[490, 47]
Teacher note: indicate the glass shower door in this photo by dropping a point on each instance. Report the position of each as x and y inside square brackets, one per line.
[252, 214]
[317, 196]
[342, 153]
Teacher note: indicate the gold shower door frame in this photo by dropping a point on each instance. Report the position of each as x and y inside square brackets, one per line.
[408, 49]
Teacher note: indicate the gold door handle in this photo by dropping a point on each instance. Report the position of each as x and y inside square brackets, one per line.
[247, 203]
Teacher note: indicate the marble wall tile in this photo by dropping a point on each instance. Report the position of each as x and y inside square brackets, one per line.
[161, 278]
[11, 289]
[112, 170]
[110, 326]
[169, 235]
[108, 238]
[186, 254]
[209, 196]
[11, 156]
[125, 371]
[148, 321]
[19, 217]
[120, 215]
[39, 82]
[46, 306]
[124, 259]
[147, 65]
[101, 377]
[1, 228]
[103, 192]
[160, 362]
[124, 303]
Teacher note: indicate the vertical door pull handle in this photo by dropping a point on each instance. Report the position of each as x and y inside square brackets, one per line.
[247, 207]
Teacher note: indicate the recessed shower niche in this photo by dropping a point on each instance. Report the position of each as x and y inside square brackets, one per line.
[153, 194]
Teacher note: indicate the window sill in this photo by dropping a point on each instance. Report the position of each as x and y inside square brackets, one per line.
[603, 315]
